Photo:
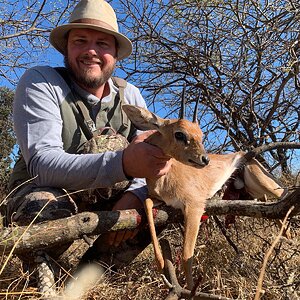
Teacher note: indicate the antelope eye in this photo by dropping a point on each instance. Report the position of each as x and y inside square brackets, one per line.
[181, 137]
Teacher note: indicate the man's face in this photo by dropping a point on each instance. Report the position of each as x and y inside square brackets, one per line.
[91, 57]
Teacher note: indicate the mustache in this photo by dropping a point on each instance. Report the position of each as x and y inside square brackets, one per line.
[95, 58]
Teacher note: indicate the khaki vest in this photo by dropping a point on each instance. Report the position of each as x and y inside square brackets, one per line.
[73, 137]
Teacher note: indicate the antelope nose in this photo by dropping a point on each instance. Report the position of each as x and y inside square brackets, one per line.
[205, 159]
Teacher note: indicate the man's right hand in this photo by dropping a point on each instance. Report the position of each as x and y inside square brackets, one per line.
[142, 160]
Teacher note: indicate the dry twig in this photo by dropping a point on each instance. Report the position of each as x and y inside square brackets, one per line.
[268, 254]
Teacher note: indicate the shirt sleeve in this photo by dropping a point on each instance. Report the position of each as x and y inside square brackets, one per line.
[38, 127]
[139, 188]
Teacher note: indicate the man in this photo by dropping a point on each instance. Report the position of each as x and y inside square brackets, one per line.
[51, 135]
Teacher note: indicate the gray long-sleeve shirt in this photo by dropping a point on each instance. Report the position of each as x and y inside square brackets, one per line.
[38, 127]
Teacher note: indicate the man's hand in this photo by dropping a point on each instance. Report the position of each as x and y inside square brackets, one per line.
[142, 160]
[128, 201]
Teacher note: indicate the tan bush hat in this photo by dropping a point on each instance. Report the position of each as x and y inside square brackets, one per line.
[92, 14]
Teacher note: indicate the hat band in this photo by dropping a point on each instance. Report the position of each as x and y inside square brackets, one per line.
[89, 21]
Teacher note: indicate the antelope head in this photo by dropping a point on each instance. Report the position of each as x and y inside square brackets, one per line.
[178, 138]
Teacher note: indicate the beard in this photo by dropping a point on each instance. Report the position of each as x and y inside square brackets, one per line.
[84, 79]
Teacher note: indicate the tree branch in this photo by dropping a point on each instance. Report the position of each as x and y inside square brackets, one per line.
[267, 147]
[62, 231]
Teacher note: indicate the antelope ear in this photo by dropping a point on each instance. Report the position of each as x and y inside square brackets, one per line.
[142, 118]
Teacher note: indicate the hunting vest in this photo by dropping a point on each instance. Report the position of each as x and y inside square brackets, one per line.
[79, 126]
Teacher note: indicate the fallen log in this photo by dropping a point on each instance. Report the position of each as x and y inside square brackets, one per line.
[61, 231]
[58, 232]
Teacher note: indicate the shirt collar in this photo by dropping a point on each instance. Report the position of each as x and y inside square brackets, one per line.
[92, 99]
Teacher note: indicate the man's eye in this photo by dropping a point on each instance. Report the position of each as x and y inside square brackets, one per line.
[78, 41]
[103, 44]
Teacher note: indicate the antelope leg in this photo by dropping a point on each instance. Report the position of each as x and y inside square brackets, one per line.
[157, 251]
[191, 229]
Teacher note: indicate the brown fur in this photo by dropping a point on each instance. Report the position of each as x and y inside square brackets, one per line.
[259, 183]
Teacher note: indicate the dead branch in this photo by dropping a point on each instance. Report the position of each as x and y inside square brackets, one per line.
[256, 209]
[271, 146]
[61, 231]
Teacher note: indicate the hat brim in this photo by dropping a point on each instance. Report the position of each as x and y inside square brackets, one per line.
[58, 38]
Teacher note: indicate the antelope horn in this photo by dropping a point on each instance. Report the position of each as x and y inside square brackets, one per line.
[196, 112]
[182, 109]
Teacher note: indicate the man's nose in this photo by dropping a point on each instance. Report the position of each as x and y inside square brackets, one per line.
[92, 50]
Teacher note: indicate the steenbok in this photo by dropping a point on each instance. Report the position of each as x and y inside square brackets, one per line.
[194, 176]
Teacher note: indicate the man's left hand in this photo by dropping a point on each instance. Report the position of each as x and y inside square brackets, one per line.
[127, 201]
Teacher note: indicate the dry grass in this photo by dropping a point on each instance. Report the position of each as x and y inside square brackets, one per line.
[221, 270]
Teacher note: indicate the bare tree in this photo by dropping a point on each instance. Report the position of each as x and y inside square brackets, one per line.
[7, 137]
[240, 58]
[24, 30]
